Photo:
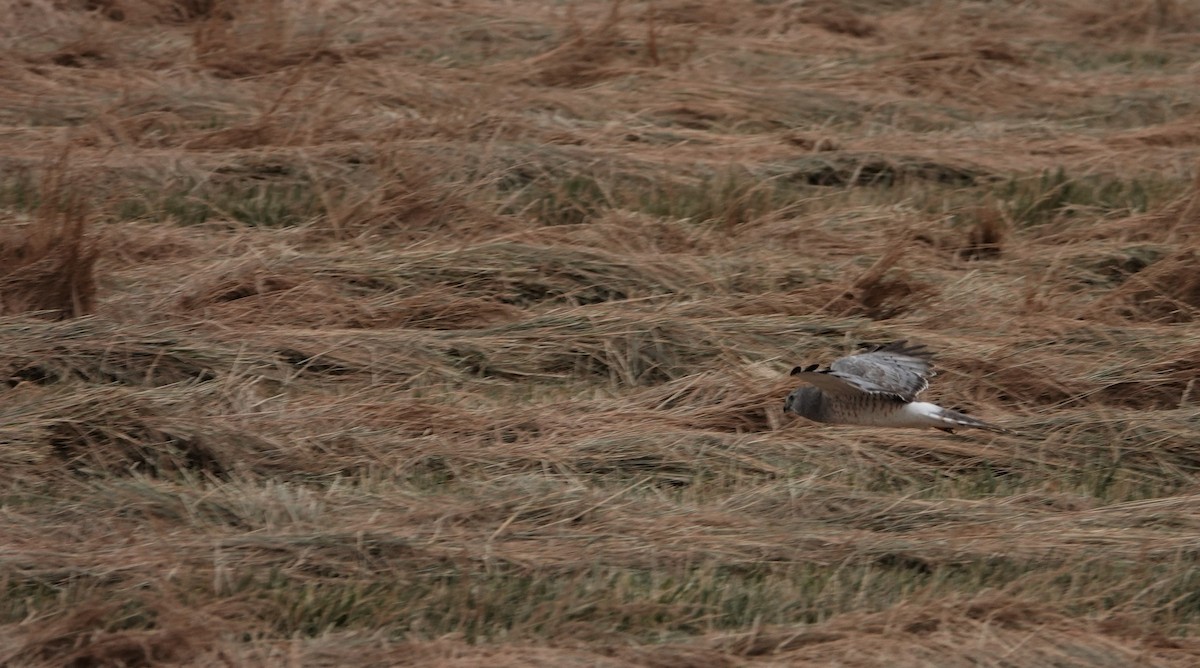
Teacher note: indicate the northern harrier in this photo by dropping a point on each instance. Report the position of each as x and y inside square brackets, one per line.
[877, 389]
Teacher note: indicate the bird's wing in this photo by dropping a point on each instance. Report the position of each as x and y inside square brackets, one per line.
[896, 368]
[830, 383]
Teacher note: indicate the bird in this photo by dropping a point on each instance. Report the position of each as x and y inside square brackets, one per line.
[877, 388]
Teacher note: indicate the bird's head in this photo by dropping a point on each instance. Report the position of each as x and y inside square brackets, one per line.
[804, 401]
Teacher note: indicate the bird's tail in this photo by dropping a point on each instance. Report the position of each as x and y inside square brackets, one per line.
[954, 419]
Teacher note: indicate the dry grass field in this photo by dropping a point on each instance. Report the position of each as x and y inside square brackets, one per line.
[456, 332]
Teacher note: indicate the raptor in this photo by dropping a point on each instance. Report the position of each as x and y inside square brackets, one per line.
[877, 388]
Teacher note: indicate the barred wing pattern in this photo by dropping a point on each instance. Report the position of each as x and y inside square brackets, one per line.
[897, 370]
[877, 388]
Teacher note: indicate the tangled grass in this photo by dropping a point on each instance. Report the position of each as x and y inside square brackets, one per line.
[399, 333]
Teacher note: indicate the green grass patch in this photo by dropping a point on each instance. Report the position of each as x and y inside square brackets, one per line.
[1054, 196]
[729, 199]
[254, 203]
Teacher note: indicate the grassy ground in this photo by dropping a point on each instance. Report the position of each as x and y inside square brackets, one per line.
[389, 333]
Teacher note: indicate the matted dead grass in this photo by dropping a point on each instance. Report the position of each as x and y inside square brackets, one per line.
[359, 333]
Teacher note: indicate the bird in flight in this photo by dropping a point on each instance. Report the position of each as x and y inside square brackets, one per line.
[877, 388]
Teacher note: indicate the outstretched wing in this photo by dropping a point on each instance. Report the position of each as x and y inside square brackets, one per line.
[896, 369]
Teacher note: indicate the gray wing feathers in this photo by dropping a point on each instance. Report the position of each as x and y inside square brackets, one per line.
[830, 383]
[896, 369]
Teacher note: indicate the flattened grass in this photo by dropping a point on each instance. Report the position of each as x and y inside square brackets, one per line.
[418, 335]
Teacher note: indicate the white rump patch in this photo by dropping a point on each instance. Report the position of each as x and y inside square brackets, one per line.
[925, 414]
